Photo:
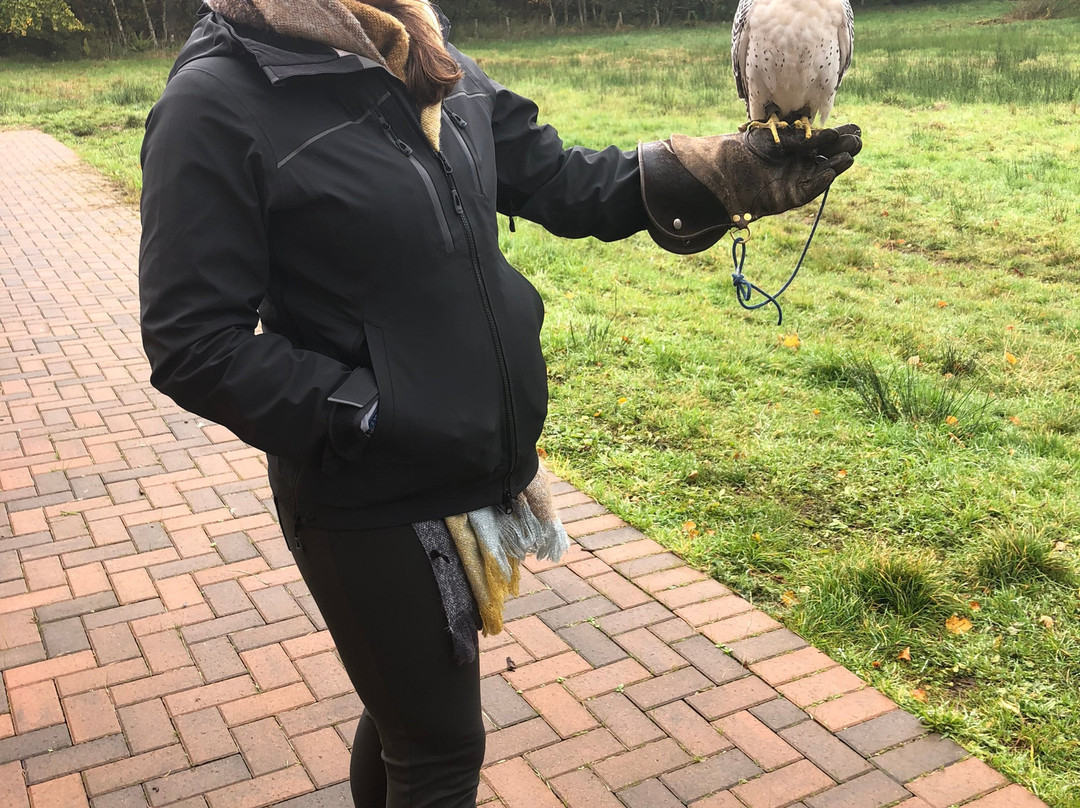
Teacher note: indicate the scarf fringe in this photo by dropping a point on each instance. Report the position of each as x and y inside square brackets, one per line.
[492, 544]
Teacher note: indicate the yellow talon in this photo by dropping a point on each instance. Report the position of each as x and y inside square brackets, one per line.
[772, 125]
[804, 123]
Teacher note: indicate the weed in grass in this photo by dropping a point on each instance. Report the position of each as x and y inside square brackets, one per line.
[1021, 555]
[886, 592]
[904, 394]
[957, 362]
[908, 585]
[82, 128]
[758, 554]
[128, 93]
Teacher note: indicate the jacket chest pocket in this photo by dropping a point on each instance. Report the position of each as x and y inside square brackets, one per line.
[378, 194]
[426, 179]
[457, 128]
[469, 110]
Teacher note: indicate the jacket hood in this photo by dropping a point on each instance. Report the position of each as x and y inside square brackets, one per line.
[279, 57]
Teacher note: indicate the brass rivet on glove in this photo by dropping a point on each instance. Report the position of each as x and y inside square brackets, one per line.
[677, 224]
[736, 218]
[748, 216]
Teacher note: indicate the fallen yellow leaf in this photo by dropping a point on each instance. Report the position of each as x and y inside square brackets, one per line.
[1010, 358]
[942, 304]
[541, 452]
[974, 605]
[1015, 419]
[842, 473]
[622, 401]
[952, 420]
[1047, 621]
[789, 599]
[958, 625]
[919, 694]
[905, 655]
[688, 526]
[791, 341]
[914, 361]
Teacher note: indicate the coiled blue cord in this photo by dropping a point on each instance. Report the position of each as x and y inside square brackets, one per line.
[744, 288]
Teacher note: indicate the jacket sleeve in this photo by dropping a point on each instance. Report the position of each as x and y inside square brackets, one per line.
[571, 192]
[204, 268]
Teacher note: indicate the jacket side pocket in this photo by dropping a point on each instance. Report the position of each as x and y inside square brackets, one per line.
[352, 406]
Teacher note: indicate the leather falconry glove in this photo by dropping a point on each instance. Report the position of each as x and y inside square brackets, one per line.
[695, 189]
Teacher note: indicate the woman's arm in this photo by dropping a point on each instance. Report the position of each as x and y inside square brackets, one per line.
[204, 269]
[573, 192]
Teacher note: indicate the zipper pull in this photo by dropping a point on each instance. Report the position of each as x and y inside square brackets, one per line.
[457, 202]
[505, 506]
[457, 119]
[446, 167]
[513, 227]
[399, 144]
[297, 544]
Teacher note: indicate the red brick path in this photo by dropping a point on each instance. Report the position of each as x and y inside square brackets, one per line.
[158, 647]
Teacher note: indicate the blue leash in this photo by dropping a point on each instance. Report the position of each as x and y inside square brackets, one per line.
[744, 289]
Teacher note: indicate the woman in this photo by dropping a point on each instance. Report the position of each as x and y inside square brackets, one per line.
[333, 170]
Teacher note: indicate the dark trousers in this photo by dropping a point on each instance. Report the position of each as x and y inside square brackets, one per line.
[420, 741]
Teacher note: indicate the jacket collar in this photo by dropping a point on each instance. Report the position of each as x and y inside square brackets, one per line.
[279, 57]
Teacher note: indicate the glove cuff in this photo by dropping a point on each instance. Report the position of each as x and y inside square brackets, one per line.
[684, 216]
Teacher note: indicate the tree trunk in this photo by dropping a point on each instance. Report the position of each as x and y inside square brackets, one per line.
[164, 22]
[150, 23]
[119, 25]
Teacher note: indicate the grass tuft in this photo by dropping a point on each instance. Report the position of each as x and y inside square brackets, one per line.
[129, 93]
[905, 394]
[1021, 555]
[908, 585]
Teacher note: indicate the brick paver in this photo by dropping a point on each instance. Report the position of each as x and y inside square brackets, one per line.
[158, 647]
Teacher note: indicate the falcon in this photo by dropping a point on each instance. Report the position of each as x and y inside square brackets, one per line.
[789, 57]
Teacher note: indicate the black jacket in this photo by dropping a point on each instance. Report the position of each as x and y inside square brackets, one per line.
[286, 184]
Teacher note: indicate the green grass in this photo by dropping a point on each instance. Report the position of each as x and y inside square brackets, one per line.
[860, 495]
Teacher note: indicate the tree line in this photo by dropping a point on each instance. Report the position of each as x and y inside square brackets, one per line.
[101, 27]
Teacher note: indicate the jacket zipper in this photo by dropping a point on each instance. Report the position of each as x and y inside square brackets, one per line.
[458, 129]
[500, 357]
[489, 312]
[429, 184]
